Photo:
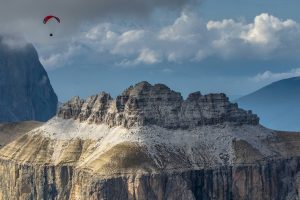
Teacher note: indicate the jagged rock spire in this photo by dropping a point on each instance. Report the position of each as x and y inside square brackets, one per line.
[146, 104]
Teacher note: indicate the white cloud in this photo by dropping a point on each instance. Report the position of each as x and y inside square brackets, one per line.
[266, 35]
[185, 28]
[13, 42]
[129, 42]
[52, 60]
[60, 59]
[148, 56]
[190, 39]
[268, 30]
[269, 76]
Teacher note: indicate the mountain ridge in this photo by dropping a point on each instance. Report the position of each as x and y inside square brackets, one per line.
[144, 104]
[277, 104]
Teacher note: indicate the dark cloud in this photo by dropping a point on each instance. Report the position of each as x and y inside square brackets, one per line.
[84, 9]
[26, 16]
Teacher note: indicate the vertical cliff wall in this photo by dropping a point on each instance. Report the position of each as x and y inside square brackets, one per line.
[278, 180]
[25, 89]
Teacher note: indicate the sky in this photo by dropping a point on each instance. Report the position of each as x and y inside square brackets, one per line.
[232, 46]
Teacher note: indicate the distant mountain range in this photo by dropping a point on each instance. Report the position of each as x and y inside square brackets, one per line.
[277, 104]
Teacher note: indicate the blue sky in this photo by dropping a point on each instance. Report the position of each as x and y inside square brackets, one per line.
[232, 46]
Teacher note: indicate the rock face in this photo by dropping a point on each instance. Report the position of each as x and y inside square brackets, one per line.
[144, 104]
[25, 90]
[150, 144]
[278, 180]
[273, 179]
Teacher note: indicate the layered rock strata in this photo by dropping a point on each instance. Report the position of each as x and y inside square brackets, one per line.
[278, 180]
[145, 104]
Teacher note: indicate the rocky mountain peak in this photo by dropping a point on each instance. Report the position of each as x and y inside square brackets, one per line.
[136, 89]
[145, 89]
[146, 104]
[195, 96]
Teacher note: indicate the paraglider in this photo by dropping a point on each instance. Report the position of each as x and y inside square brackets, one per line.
[50, 17]
[47, 18]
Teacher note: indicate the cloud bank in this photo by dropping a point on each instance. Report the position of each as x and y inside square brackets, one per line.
[188, 39]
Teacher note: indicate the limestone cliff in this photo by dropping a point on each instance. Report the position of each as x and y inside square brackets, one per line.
[275, 180]
[150, 143]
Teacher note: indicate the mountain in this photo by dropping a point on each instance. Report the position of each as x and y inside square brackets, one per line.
[277, 104]
[25, 89]
[150, 143]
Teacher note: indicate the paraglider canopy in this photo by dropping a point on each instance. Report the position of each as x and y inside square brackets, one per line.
[49, 17]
